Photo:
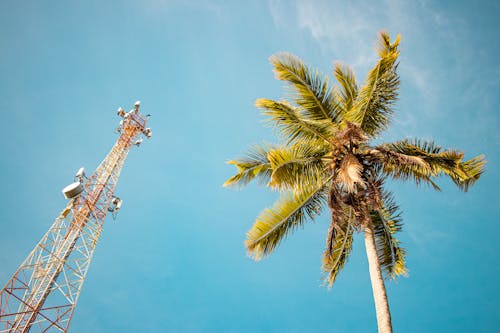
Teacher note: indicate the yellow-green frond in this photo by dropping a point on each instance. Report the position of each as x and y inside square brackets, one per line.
[372, 109]
[291, 125]
[311, 90]
[467, 173]
[299, 166]
[289, 213]
[386, 222]
[399, 165]
[348, 90]
[443, 162]
[254, 165]
[384, 46]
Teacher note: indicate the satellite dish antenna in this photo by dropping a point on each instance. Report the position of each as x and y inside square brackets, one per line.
[120, 112]
[147, 132]
[80, 174]
[116, 204]
[138, 142]
[72, 190]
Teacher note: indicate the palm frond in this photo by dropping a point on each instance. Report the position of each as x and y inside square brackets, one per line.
[338, 244]
[386, 222]
[291, 125]
[348, 91]
[398, 165]
[443, 162]
[298, 166]
[290, 212]
[372, 109]
[254, 165]
[312, 92]
[384, 45]
[467, 172]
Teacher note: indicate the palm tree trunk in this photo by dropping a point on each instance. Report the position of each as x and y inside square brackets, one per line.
[379, 292]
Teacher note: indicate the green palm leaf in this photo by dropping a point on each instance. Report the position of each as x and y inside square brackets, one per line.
[298, 166]
[348, 91]
[254, 164]
[467, 172]
[386, 222]
[443, 162]
[291, 125]
[372, 109]
[403, 166]
[311, 87]
[289, 213]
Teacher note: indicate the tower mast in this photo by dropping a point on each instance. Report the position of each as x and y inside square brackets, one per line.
[41, 295]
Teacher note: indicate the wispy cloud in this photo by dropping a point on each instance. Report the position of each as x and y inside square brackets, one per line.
[420, 78]
[335, 28]
[279, 13]
[342, 30]
[424, 236]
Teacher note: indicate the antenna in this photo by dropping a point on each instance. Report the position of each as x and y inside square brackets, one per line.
[80, 175]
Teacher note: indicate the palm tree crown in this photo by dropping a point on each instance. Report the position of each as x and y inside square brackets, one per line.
[326, 159]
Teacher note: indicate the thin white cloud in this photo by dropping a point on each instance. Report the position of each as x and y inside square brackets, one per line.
[420, 78]
[278, 13]
[424, 236]
[345, 30]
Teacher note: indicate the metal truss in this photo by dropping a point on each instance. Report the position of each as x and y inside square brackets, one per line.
[42, 294]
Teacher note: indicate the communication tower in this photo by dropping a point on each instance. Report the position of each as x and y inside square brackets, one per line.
[41, 295]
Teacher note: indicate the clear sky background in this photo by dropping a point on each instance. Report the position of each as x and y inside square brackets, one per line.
[174, 259]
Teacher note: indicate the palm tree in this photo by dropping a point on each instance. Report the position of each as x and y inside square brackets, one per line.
[326, 158]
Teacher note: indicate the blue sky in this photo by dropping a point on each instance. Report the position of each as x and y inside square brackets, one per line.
[174, 259]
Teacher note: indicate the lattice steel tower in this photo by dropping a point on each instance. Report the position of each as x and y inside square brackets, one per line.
[41, 295]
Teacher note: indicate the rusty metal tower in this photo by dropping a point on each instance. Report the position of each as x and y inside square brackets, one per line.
[41, 295]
